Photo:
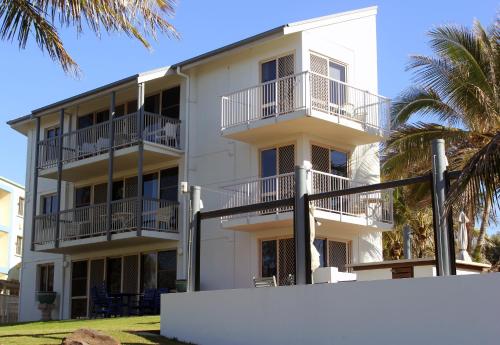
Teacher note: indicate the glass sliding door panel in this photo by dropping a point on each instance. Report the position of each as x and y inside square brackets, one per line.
[114, 274]
[167, 269]
[269, 259]
[148, 271]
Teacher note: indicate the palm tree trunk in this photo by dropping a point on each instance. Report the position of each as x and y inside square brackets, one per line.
[478, 251]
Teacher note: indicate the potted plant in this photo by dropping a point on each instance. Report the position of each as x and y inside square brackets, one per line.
[46, 303]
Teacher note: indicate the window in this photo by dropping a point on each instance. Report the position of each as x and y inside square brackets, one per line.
[152, 104]
[49, 204]
[330, 160]
[51, 152]
[148, 271]
[269, 258]
[277, 97]
[328, 84]
[19, 245]
[114, 274]
[167, 269]
[278, 259]
[20, 207]
[46, 277]
[92, 119]
[170, 102]
[276, 162]
[79, 272]
[169, 180]
[82, 196]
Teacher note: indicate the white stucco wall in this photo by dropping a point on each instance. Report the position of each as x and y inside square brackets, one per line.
[406, 311]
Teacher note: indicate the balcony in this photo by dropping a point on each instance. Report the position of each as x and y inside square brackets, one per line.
[85, 151]
[84, 228]
[305, 103]
[356, 211]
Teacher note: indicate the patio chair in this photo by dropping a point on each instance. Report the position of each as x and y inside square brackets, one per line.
[264, 282]
[102, 304]
[147, 302]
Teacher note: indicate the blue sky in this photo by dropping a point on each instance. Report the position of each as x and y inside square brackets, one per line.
[31, 79]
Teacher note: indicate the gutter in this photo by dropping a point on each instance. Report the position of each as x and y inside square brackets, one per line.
[186, 169]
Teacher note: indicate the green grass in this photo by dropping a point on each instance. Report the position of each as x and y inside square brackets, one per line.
[128, 330]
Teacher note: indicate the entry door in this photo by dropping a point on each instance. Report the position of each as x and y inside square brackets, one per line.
[277, 90]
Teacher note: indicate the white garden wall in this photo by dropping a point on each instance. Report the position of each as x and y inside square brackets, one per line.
[441, 310]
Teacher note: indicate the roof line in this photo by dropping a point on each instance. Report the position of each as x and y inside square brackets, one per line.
[6, 180]
[87, 93]
[231, 46]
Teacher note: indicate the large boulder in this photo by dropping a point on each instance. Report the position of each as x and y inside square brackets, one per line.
[86, 336]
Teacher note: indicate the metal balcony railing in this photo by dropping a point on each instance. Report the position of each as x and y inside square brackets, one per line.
[90, 221]
[372, 206]
[305, 90]
[95, 140]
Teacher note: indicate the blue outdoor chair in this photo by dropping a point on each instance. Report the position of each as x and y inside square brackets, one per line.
[102, 304]
[159, 292]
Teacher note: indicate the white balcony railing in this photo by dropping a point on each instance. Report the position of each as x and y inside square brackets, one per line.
[90, 221]
[305, 90]
[372, 206]
[95, 140]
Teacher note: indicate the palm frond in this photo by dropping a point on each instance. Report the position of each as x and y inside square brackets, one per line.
[480, 177]
[19, 18]
[140, 19]
[408, 151]
[417, 101]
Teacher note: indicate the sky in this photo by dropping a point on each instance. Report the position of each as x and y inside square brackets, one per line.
[32, 80]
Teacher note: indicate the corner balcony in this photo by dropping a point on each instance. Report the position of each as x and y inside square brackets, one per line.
[85, 152]
[86, 228]
[306, 102]
[353, 212]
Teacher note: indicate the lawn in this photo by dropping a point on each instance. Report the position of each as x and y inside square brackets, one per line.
[128, 330]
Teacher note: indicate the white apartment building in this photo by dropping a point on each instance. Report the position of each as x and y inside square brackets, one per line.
[105, 167]
[11, 228]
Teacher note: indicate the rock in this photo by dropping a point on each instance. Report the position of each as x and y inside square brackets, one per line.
[86, 336]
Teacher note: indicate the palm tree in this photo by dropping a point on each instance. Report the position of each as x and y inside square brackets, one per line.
[23, 19]
[418, 217]
[459, 87]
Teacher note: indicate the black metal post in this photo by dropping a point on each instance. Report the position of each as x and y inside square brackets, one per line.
[111, 128]
[451, 232]
[439, 184]
[301, 228]
[140, 152]
[59, 176]
[34, 192]
[194, 238]
[435, 231]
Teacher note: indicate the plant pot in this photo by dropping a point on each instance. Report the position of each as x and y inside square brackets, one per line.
[46, 297]
[181, 285]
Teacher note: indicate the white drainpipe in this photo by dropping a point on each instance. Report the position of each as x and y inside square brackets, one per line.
[186, 171]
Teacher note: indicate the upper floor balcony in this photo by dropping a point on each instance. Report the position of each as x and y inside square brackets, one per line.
[132, 220]
[354, 211]
[85, 151]
[305, 102]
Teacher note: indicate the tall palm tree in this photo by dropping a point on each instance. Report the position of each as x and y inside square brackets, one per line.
[22, 19]
[459, 89]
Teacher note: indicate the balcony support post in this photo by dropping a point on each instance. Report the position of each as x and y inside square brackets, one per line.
[194, 237]
[111, 129]
[301, 230]
[34, 192]
[59, 176]
[140, 147]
